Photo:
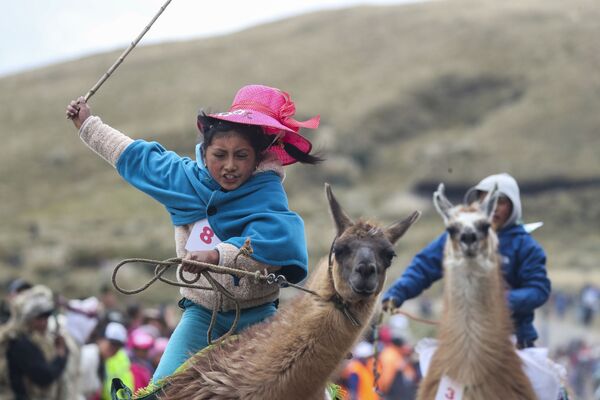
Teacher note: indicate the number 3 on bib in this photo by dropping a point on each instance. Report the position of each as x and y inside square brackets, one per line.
[449, 389]
[202, 237]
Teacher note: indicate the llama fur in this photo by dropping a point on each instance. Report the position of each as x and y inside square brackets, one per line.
[474, 333]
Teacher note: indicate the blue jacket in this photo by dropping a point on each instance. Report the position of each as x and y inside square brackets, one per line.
[258, 209]
[523, 268]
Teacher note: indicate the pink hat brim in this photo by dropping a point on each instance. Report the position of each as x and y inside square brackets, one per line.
[250, 117]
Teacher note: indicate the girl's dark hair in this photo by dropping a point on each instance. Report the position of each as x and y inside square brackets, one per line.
[259, 140]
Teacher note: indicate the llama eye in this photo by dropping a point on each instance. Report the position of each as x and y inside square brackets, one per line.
[389, 255]
[340, 249]
[484, 227]
[452, 230]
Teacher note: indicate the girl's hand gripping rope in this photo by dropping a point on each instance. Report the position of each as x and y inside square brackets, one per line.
[207, 256]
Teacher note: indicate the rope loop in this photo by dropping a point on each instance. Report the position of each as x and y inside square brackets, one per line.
[205, 270]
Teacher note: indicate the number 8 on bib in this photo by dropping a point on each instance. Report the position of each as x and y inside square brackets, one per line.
[202, 237]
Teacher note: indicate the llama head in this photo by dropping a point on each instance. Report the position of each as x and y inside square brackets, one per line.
[362, 252]
[469, 227]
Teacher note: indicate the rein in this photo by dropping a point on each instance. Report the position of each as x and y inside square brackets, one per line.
[161, 267]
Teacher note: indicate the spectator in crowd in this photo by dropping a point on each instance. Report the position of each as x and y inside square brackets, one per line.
[115, 362]
[589, 299]
[153, 317]
[135, 316]
[108, 299]
[561, 301]
[34, 360]
[108, 311]
[14, 288]
[398, 375]
[358, 378]
[141, 367]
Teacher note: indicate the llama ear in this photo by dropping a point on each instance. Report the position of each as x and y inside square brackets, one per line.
[489, 203]
[342, 221]
[396, 230]
[441, 203]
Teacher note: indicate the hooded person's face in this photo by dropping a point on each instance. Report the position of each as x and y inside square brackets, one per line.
[502, 212]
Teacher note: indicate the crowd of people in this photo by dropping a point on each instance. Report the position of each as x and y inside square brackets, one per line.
[57, 349]
[582, 361]
[60, 349]
[585, 303]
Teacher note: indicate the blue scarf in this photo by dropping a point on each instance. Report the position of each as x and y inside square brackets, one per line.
[258, 209]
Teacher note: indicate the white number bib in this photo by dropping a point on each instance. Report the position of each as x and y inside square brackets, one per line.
[202, 237]
[449, 390]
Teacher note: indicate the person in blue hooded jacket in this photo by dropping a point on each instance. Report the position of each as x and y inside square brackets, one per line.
[232, 191]
[523, 261]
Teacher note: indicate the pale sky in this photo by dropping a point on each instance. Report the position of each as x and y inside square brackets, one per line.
[35, 33]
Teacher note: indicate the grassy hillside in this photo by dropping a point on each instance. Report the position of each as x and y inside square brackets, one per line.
[409, 96]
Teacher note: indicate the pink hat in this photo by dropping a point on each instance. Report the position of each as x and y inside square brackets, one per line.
[272, 109]
[141, 340]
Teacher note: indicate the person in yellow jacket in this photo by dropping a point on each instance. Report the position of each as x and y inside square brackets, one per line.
[115, 360]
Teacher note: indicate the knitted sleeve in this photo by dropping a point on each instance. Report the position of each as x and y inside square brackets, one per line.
[105, 141]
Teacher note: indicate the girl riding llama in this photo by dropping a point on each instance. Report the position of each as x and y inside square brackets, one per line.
[232, 191]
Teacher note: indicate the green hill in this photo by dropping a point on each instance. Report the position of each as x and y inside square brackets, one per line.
[409, 96]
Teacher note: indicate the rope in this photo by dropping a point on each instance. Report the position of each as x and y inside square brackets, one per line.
[414, 318]
[161, 267]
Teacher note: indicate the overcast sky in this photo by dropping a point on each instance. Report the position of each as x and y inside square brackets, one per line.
[34, 33]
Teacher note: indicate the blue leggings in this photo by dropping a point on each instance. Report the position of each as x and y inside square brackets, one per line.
[190, 334]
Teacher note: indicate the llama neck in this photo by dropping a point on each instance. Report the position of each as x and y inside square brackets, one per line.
[325, 331]
[471, 291]
[476, 321]
[322, 284]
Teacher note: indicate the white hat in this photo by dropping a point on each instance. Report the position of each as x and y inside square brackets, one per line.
[399, 327]
[363, 350]
[116, 331]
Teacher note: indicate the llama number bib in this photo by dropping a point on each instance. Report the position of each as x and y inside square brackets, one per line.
[202, 237]
[449, 390]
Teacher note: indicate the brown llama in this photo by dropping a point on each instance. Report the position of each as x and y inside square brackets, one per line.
[292, 355]
[474, 350]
